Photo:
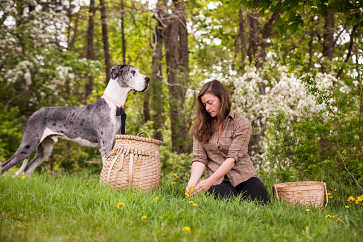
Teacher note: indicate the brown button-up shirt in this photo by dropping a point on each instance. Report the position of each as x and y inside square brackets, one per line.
[232, 143]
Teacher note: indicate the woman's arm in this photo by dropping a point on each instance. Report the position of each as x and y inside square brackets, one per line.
[195, 174]
[226, 166]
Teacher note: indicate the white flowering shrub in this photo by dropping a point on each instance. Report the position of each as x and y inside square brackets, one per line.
[34, 56]
[285, 94]
[36, 69]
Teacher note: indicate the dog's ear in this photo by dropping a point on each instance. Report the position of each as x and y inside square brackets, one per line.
[116, 71]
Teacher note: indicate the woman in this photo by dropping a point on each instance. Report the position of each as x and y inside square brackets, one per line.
[220, 143]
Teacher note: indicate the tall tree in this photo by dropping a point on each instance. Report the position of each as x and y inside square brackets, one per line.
[157, 105]
[176, 43]
[90, 44]
[242, 37]
[105, 40]
[122, 20]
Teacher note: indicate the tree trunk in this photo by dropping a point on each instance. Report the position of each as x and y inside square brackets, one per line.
[254, 32]
[123, 33]
[90, 48]
[176, 43]
[242, 38]
[328, 45]
[328, 40]
[157, 104]
[75, 32]
[105, 40]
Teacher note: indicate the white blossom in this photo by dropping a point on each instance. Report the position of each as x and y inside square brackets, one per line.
[285, 93]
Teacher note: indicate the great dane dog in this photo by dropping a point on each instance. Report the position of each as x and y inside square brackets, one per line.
[94, 125]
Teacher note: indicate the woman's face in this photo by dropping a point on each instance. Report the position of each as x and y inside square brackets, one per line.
[211, 103]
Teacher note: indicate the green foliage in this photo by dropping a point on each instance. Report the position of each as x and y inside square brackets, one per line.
[10, 135]
[316, 150]
[172, 162]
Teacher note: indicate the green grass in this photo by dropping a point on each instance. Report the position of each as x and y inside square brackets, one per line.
[79, 208]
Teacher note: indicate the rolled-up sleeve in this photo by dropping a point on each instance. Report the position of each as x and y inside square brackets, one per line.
[199, 153]
[240, 139]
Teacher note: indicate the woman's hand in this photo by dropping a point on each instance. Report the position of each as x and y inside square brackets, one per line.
[203, 186]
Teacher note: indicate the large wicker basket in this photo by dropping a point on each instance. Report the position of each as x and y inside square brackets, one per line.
[311, 193]
[133, 161]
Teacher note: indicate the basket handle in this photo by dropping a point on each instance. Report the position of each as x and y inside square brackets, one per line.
[326, 195]
[274, 190]
[143, 132]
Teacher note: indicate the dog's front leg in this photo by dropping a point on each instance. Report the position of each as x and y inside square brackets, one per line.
[105, 150]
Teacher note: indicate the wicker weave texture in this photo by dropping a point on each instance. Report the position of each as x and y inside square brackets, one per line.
[133, 161]
[308, 193]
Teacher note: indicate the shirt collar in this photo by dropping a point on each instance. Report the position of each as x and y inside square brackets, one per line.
[232, 115]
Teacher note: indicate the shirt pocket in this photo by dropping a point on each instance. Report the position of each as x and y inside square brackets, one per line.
[224, 143]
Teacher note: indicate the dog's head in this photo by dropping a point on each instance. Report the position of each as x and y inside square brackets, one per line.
[129, 76]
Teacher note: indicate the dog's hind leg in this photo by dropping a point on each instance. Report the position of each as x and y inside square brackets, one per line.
[22, 153]
[44, 151]
[21, 169]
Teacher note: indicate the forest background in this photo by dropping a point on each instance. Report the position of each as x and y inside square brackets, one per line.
[292, 67]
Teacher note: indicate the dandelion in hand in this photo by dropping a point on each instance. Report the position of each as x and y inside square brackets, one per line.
[191, 189]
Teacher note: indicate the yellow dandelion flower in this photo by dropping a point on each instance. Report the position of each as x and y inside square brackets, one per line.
[350, 199]
[326, 3]
[22, 177]
[195, 204]
[316, 7]
[357, 201]
[172, 182]
[143, 217]
[191, 202]
[156, 198]
[120, 205]
[346, 206]
[175, 175]
[307, 210]
[187, 194]
[191, 189]
[329, 193]
[329, 216]
[330, 197]
[186, 229]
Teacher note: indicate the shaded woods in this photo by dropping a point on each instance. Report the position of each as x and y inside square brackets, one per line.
[293, 68]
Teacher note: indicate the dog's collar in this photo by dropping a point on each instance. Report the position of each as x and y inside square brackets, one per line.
[110, 99]
[120, 111]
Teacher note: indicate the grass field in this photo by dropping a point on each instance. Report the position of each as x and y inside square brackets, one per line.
[79, 208]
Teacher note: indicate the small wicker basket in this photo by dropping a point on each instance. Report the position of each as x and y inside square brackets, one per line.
[133, 161]
[310, 193]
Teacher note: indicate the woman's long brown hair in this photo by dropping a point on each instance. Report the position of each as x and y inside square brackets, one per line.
[203, 124]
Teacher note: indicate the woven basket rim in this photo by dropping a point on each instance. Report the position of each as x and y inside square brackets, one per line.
[138, 138]
[299, 183]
